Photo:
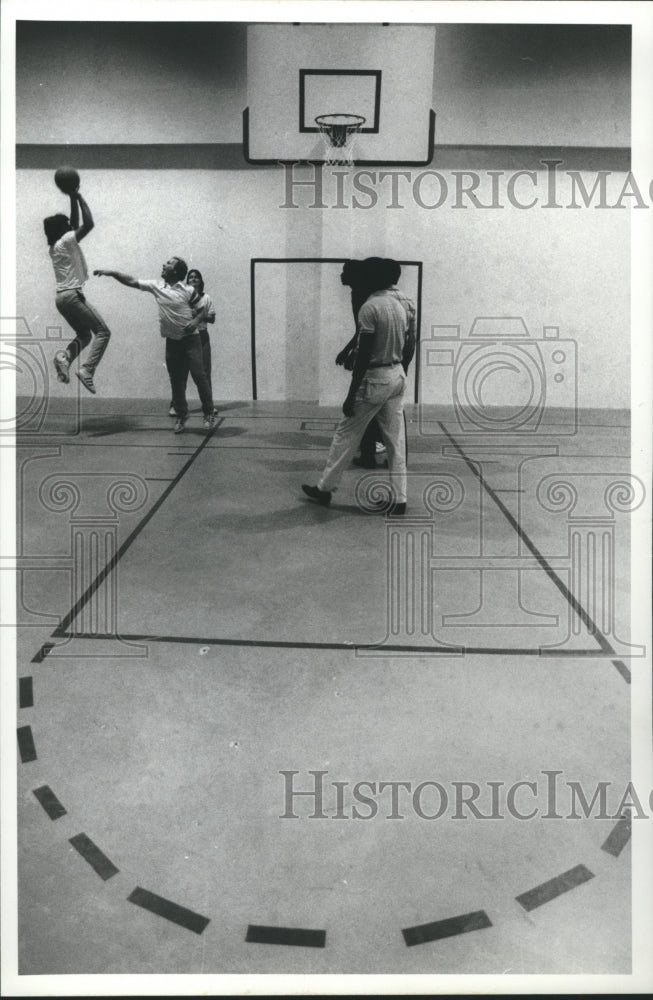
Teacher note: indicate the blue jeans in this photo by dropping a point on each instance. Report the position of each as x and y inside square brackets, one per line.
[85, 320]
[184, 356]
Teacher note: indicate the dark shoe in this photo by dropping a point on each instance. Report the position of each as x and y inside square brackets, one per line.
[322, 497]
[86, 379]
[364, 463]
[62, 366]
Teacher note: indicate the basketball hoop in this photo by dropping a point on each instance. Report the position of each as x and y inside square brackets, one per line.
[339, 132]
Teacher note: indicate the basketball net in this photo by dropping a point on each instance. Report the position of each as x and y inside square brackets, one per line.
[339, 132]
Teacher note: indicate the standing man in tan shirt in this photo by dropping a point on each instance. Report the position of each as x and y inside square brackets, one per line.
[386, 344]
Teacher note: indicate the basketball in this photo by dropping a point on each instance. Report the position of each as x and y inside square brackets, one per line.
[66, 179]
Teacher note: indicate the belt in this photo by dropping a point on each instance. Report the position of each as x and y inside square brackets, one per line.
[385, 364]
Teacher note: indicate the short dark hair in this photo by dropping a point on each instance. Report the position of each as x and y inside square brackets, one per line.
[381, 272]
[375, 278]
[181, 268]
[352, 272]
[392, 270]
[55, 226]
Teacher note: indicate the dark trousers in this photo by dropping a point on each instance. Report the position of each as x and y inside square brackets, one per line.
[368, 441]
[206, 359]
[184, 356]
[205, 341]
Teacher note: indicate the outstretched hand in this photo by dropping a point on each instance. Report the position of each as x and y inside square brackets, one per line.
[100, 273]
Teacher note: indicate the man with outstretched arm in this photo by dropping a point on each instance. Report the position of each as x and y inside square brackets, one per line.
[180, 328]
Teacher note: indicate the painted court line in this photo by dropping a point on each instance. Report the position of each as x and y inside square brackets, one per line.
[25, 692]
[96, 858]
[169, 910]
[555, 887]
[622, 669]
[26, 746]
[298, 936]
[193, 640]
[43, 652]
[619, 836]
[318, 424]
[450, 927]
[575, 605]
[113, 562]
[50, 802]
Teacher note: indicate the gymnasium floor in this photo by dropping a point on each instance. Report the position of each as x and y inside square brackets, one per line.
[192, 627]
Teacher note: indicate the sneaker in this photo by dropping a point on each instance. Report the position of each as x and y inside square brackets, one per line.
[62, 366]
[322, 497]
[209, 422]
[215, 411]
[379, 447]
[180, 423]
[171, 411]
[86, 379]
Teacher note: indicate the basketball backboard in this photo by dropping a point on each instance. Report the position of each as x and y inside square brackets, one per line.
[297, 72]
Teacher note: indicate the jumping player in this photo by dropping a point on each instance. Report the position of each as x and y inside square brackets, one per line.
[179, 326]
[70, 271]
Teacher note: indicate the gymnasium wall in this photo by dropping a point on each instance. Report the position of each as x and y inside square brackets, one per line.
[561, 267]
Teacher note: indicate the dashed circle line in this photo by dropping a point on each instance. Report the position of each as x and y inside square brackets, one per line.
[294, 936]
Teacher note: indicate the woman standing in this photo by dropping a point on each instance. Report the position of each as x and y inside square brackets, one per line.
[203, 308]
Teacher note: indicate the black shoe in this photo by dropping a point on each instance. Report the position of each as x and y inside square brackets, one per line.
[364, 463]
[322, 497]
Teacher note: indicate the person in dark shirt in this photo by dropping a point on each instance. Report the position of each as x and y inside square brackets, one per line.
[354, 276]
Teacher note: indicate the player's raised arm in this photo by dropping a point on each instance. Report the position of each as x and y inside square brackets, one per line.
[74, 211]
[87, 219]
[124, 279]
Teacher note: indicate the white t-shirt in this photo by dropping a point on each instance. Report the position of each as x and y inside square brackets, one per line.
[207, 308]
[173, 301]
[388, 315]
[70, 270]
